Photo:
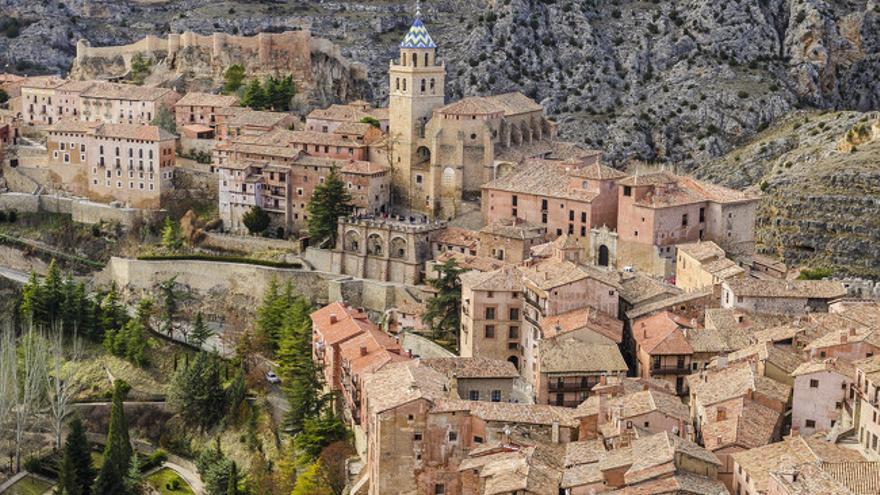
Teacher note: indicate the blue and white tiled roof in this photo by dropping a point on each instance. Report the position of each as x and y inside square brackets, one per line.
[418, 36]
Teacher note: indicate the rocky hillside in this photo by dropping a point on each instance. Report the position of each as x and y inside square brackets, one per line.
[679, 81]
[820, 179]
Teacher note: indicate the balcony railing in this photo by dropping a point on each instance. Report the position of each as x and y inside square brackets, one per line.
[670, 370]
[570, 387]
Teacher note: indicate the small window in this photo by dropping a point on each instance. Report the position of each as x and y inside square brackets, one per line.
[439, 489]
[814, 383]
[417, 437]
[453, 436]
[490, 313]
[474, 395]
[490, 331]
[496, 396]
[627, 191]
[810, 423]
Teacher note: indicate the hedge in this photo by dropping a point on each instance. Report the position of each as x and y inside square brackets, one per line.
[221, 259]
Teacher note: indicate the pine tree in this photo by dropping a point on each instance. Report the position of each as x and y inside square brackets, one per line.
[232, 480]
[197, 391]
[330, 201]
[200, 332]
[76, 472]
[170, 236]
[256, 220]
[118, 451]
[236, 394]
[134, 478]
[300, 377]
[169, 304]
[53, 294]
[233, 78]
[319, 432]
[254, 95]
[165, 119]
[32, 299]
[443, 311]
[112, 314]
[268, 320]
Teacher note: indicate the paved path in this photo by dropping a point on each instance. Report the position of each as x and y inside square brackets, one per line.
[14, 275]
[190, 477]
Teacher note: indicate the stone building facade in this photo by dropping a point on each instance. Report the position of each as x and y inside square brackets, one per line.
[201, 108]
[386, 249]
[491, 314]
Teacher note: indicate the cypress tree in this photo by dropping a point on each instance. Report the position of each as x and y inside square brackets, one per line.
[301, 378]
[76, 473]
[200, 331]
[330, 201]
[197, 391]
[118, 451]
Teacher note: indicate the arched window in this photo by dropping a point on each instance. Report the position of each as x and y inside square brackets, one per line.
[432, 85]
[423, 85]
[351, 241]
[404, 85]
[404, 58]
[426, 59]
[398, 247]
[415, 60]
[397, 84]
[374, 244]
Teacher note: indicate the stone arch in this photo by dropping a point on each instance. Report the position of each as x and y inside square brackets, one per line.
[398, 247]
[604, 256]
[375, 244]
[423, 154]
[503, 168]
[515, 361]
[351, 241]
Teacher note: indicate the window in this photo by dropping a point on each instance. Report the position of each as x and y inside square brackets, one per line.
[810, 423]
[418, 179]
[490, 313]
[496, 396]
[474, 395]
[478, 439]
[514, 200]
[583, 217]
[814, 383]
[439, 489]
[571, 215]
[627, 191]
[702, 215]
[513, 332]
[543, 204]
[453, 436]
[417, 437]
[684, 220]
[490, 331]
[514, 314]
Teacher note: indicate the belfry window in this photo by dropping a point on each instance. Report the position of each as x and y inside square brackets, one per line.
[423, 85]
[426, 60]
[397, 83]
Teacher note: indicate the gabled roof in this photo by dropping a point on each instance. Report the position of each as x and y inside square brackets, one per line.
[506, 279]
[472, 367]
[784, 359]
[511, 412]
[646, 401]
[196, 99]
[581, 351]
[417, 36]
[647, 454]
[662, 333]
[748, 425]
[737, 380]
[753, 287]
[515, 228]
[456, 236]
[584, 318]
[348, 323]
[403, 382]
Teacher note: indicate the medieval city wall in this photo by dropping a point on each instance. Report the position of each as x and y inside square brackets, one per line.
[80, 210]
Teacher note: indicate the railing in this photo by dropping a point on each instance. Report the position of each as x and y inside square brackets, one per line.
[570, 387]
[670, 370]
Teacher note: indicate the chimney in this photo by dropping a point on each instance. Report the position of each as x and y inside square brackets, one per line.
[333, 318]
[795, 431]
[363, 350]
[718, 440]
[555, 432]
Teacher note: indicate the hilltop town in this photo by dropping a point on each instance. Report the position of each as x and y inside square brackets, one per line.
[216, 284]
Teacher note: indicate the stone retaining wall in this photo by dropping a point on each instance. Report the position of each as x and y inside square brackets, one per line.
[80, 210]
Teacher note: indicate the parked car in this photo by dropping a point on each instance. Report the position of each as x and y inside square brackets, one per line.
[271, 377]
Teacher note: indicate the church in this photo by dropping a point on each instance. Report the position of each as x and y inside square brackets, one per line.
[441, 154]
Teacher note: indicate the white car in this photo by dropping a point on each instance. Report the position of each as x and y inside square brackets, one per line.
[271, 377]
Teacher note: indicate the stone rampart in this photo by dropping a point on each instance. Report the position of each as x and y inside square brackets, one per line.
[80, 210]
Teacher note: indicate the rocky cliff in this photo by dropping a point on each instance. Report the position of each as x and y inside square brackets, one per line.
[820, 179]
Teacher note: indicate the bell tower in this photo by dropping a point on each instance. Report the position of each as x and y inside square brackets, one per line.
[416, 88]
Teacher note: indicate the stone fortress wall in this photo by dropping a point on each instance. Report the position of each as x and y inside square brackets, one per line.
[297, 52]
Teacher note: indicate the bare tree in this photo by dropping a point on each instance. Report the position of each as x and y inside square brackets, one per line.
[8, 385]
[60, 385]
[30, 389]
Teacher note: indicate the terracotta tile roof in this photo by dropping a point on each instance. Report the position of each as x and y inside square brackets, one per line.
[42, 82]
[750, 424]
[681, 482]
[541, 177]
[866, 313]
[737, 380]
[585, 318]
[456, 236]
[546, 149]
[360, 167]
[76, 86]
[535, 469]
[135, 131]
[638, 288]
[580, 352]
[369, 350]
[646, 401]
[514, 228]
[647, 454]
[753, 287]
[668, 303]
[74, 125]
[671, 190]
[870, 367]
[589, 407]
[724, 268]
[701, 250]
[863, 478]
[651, 179]
[510, 412]
[616, 386]
[852, 334]
[353, 112]
[248, 117]
[734, 321]
[784, 359]
[581, 474]
[472, 105]
[472, 367]
[353, 128]
[808, 478]
[196, 99]
[349, 322]
[662, 334]
[759, 462]
[403, 382]
[130, 92]
[584, 452]
[468, 262]
[505, 279]
[515, 103]
[596, 171]
[551, 273]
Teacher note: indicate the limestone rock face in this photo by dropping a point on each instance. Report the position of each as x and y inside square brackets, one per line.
[821, 188]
